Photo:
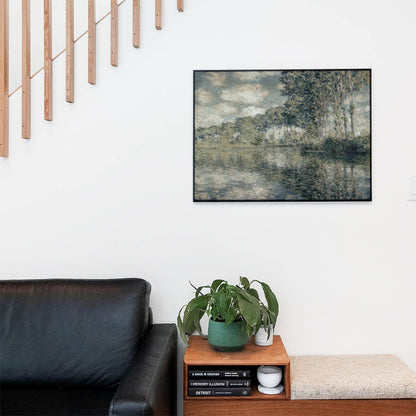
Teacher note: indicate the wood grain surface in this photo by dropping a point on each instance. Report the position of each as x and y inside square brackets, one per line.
[4, 78]
[242, 407]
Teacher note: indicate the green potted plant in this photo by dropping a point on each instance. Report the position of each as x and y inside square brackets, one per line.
[235, 312]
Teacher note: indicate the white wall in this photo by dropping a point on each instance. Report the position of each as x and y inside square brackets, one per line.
[106, 188]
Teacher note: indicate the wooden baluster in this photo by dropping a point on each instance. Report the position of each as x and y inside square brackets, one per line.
[47, 45]
[92, 36]
[4, 78]
[26, 80]
[180, 5]
[136, 23]
[158, 14]
[70, 51]
[114, 33]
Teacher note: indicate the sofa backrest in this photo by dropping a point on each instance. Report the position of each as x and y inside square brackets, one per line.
[69, 331]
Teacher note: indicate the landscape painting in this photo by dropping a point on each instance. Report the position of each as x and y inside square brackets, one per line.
[283, 135]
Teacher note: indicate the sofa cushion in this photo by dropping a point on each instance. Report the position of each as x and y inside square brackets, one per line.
[70, 332]
[351, 377]
[53, 401]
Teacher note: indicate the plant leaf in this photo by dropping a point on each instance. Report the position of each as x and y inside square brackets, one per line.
[249, 309]
[216, 284]
[193, 314]
[199, 290]
[241, 292]
[181, 327]
[245, 283]
[271, 299]
[249, 330]
[254, 293]
[222, 302]
[230, 317]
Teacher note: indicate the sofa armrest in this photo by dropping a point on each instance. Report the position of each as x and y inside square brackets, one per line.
[149, 386]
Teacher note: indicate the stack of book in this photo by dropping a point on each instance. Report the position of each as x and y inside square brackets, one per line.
[218, 382]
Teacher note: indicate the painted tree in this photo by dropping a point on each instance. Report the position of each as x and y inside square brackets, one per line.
[357, 80]
[301, 105]
[318, 99]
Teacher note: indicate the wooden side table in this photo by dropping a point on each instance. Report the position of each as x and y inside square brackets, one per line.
[200, 353]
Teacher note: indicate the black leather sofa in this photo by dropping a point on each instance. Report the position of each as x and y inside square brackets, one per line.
[84, 347]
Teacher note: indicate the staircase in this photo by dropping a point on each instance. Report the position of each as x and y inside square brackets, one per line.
[48, 59]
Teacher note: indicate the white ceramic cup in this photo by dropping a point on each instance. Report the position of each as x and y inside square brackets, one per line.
[269, 375]
[262, 337]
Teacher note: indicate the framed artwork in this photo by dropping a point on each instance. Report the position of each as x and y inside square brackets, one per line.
[282, 135]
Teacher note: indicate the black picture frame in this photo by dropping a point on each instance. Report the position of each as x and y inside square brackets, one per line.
[356, 188]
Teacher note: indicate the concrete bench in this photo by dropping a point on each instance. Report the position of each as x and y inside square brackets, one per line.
[352, 385]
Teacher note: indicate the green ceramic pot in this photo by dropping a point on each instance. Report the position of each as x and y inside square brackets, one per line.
[227, 338]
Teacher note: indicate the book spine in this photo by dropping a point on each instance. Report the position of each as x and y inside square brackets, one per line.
[219, 373]
[219, 383]
[219, 391]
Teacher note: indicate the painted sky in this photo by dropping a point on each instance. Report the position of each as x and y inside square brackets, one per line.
[226, 95]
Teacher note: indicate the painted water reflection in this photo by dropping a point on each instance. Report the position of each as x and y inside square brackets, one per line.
[279, 173]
